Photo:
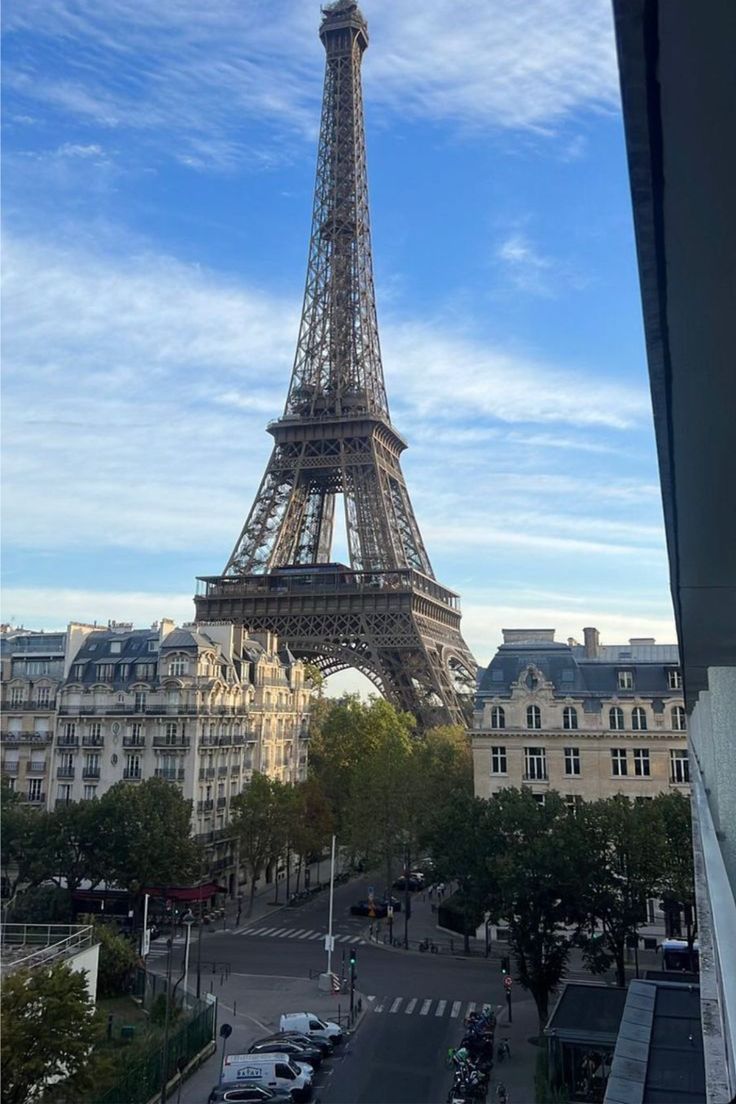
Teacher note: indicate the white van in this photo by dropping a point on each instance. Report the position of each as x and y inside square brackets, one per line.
[307, 1023]
[273, 1071]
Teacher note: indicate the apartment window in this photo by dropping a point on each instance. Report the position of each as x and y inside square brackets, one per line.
[619, 763]
[43, 695]
[674, 678]
[10, 783]
[70, 731]
[145, 670]
[105, 672]
[572, 761]
[122, 671]
[116, 647]
[16, 695]
[498, 760]
[95, 730]
[77, 671]
[171, 732]
[63, 793]
[573, 803]
[533, 716]
[616, 719]
[136, 730]
[35, 791]
[641, 762]
[626, 680]
[92, 765]
[535, 764]
[152, 645]
[178, 666]
[679, 718]
[569, 717]
[638, 719]
[140, 701]
[540, 798]
[132, 766]
[679, 767]
[90, 793]
[498, 717]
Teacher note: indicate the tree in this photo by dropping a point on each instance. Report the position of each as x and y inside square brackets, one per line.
[74, 838]
[117, 961]
[533, 855]
[145, 836]
[26, 837]
[676, 880]
[311, 822]
[457, 841]
[621, 866]
[48, 1031]
[258, 823]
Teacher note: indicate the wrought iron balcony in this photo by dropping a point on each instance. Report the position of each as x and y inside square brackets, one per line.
[171, 774]
[90, 772]
[36, 798]
[206, 772]
[37, 767]
[68, 741]
[10, 768]
[91, 741]
[221, 802]
[174, 743]
[9, 706]
[222, 772]
[132, 774]
[134, 741]
[15, 738]
[65, 772]
[205, 806]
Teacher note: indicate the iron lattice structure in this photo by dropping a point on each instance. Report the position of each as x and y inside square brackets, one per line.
[386, 614]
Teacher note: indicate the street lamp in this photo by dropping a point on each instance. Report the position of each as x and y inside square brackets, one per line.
[188, 919]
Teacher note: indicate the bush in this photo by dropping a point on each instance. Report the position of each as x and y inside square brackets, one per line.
[118, 959]
[544, 1093]
[460, 914]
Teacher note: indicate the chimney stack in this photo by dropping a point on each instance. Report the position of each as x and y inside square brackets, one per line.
[592, 643]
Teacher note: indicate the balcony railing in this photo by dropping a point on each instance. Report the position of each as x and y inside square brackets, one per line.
[90, 772]
[171, 774]
[206, 772]
[221, 802]
[134, 741]
[222, 772]
[91, 741]
[132, 774]
[205, 806]
[10, 706]
[535, 776]
[174, 742]
[37, 767]
[36, 798]
[68, 741]
[65, 772]
[15, 738]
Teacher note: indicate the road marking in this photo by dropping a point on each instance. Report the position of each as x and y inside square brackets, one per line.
[470, 1009]
[410, 1006]
[379, 1007]
[355, 939]
[441, 1006]
[371, 998]
[277, 931]
[286, 934]
[395, 1006]
[300, 932]
[455, 1010]
[317, 935]
[255, 931]
[341, 938]
[426, 1005]
[266, 931]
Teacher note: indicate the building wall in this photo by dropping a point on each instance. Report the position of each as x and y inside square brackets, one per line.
[578, 749]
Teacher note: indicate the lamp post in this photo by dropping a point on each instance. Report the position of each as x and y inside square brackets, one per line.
[188, 919]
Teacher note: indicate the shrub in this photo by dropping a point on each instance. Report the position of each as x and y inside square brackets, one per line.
[118, 959]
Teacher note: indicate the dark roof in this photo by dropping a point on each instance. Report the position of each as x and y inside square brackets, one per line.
[574, 674]
[588, 1011]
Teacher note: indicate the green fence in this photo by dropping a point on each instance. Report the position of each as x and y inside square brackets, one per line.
[142, 1076]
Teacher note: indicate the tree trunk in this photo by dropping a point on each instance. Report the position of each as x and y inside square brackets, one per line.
[299, 872]
[541, 999]
[251, 895]
[620, 967]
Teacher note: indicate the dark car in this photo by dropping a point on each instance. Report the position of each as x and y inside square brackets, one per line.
[301, 1052]
[247, 1094]
[416, 882]
[322, 1045]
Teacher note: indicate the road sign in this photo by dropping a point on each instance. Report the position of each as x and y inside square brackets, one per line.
[329, 942]
[390, 912]
[508, 983]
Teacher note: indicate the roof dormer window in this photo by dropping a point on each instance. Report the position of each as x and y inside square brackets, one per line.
[626, 680]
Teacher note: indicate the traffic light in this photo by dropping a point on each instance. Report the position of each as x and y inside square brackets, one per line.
[505, 965]
[353, 958]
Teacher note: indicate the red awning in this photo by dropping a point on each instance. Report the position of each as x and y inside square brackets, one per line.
[187, 893]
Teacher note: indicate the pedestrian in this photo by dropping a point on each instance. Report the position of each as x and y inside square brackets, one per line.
[440, 891]
[430, 891]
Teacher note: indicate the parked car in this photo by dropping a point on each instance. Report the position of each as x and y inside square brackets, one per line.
[279, 1044]
[324, 1047]
[277, 1071]
[308, 1023]
[247, 1094]
[415, 880]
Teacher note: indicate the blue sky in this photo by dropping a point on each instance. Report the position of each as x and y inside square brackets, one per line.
[159, 165]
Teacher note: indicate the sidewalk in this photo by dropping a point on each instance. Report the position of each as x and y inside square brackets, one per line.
[517, 1072]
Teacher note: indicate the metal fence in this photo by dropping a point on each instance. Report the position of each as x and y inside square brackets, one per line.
[51, 941]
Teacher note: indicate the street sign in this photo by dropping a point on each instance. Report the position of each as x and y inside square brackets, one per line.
[508, 983]
[390, 912]
[329, 942]
[146, 942]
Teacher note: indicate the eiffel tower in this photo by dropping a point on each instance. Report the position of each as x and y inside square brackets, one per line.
[385, 614]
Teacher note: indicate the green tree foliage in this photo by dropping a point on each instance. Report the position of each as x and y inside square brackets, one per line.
[118, 959]
[144, 836]
[458, 840]
[260, 821]
[75, 844]
[311, 822]
[622, 863]
[676, 878]
[48, 1031]
[533, 856]
[44, 904]
[26, 850]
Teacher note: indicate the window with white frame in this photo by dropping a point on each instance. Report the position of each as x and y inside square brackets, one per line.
[139, 703]
[572, 761]
[105, 672]
[178, 666]
[10, 783]
[35, 789]
[64, 793]
[498, 717]
[533, 716]
[90, 793]
[619, 762]
[171, 732]
[43, 695]
[642, 767]
[679, 767]
[498, 760]
[95, 730]
[17, 695]
[573, 802]
[535, 764]
[626, 680]
[116, 647]
[132, 766]
[540, 798]
[70, 731]
[674, 678]
[616, 718]
[679, 718]
[569, 717]
[638, 719]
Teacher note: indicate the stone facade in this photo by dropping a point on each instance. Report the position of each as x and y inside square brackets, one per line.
[201, 706]
[586, 720]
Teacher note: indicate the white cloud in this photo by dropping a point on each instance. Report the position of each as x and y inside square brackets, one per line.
[53, 608]
[199, 77]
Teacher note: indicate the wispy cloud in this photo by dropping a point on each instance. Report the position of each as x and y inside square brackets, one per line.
[198, 79]
[525, 268]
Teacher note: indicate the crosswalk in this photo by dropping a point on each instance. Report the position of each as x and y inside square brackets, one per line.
[416, 1006]
[159, 949]
[306, 934]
